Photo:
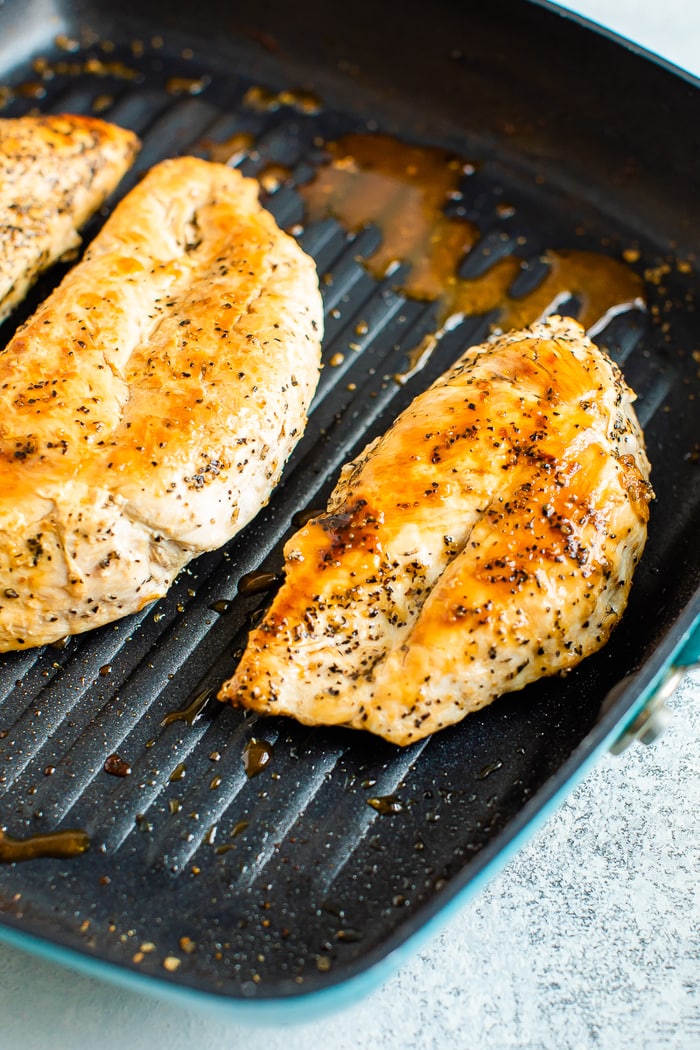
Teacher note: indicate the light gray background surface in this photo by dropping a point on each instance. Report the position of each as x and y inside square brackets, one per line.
[589, 938]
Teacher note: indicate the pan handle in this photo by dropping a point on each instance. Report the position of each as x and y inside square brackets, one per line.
[654, 717]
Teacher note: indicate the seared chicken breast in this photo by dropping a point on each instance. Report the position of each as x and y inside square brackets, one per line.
[487, 539]
[55, 171]
[148, 406]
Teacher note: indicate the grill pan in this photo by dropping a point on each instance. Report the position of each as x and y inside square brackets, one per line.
[272, 894]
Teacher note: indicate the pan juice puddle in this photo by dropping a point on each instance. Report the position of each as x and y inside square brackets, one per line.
[61, 844]
[374, 179]
[402, 189]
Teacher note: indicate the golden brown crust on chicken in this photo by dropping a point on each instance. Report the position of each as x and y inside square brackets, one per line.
[148, 407]
[504, 553]
[55, 172]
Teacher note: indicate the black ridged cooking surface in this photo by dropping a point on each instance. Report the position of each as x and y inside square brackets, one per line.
[315, 883]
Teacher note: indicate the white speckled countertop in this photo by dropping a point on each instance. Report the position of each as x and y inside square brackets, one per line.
[589, 938]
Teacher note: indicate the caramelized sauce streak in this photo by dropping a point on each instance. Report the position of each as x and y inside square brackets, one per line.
[599, 283]
[489, 769]
[257, 581]
[186, 85]
[263, 100]
[32, 89]
[192, 711]
[385, 805]
[273, 176]
[231, 149]
[69, 843]
[92, 66]
[403, 190]
[418, 356]
[238, 829]
[101, 103]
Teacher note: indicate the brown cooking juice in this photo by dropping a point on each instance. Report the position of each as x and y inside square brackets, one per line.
[61, 844]
[403, 190]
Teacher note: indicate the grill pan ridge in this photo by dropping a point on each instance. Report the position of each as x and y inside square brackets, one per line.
[289, 882]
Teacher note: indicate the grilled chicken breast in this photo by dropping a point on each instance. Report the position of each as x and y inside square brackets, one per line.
[55, 171]
[487, 539]
[148, 407]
